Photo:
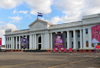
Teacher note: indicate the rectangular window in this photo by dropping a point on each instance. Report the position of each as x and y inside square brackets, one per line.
[72, 34]
[66, 44]
[66, 34]
[8, 45]
[72, 44]
[78, 44]
[6, 39]
[78, 34]
[86, 30]
[86, 43]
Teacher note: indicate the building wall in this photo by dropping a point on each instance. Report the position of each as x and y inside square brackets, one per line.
[12, 38]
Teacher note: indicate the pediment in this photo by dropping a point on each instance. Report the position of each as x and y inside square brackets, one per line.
[39, 24]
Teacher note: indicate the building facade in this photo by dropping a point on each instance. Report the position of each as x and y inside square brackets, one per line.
[40, 35]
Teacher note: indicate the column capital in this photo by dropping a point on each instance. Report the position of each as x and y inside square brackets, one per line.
[80, 29]
[56, 32]
[51, 32]
[42, 33]
[61, 31]
[74, 30]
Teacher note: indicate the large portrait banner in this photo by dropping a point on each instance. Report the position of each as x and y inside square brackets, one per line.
[96, 35]
[58, 41]
[23, 42]
[0, 42]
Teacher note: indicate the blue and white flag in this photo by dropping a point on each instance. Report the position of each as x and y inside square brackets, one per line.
[40, 14]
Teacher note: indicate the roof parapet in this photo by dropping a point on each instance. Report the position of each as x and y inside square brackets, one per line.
[91, 16]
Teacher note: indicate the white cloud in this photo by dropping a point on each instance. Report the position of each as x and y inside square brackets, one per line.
[2, 22]
[91, 7]
[9, 4]
[71, 9]
[24, 12]
[74, 10]
[4, 27]
[43, 6]
[69, 4]
[14, 11]
[55, 20]
[15, 19]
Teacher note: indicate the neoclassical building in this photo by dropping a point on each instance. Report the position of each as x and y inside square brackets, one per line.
[40, 35]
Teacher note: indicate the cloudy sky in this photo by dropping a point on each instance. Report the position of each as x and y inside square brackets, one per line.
[18, 14]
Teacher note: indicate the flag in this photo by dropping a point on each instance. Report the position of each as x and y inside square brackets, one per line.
[40, 14]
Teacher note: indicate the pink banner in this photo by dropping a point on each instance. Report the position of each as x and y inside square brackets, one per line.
[59, 49]
[58, 41]
[70, 49]
[53, 49]
[97, 46]
[95, 34]
[64, 49]
[0, 42]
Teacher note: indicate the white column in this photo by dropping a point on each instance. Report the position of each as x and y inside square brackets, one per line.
[84, 41]
[8, 43]
[68, 44]
[35, 41]
[30, 47]
[42, 40]
[31, 41]
[5, 42]
[27, 43]
[51, 41]
[89, 35]
[12, 42]
[74, 39]
[19, 43]
[48, 41]
[80, 39]
[16, 42]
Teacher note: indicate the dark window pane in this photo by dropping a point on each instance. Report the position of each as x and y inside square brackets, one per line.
[86, 31]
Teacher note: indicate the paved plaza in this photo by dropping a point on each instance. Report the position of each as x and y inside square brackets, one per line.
[49, 60]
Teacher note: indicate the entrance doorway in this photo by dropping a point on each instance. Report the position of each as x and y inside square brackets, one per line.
[39, 46]
[39, 43]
